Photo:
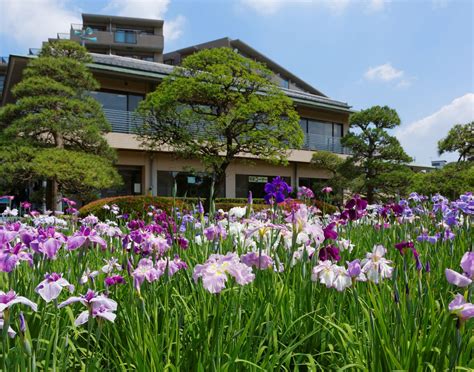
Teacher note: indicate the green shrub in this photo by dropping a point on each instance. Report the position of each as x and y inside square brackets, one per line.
[135, 205]
[138, 205]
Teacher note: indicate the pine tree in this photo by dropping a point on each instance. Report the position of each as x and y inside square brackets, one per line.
[377, 159]
[54, 115]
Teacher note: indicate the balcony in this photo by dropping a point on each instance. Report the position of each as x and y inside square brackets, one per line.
[324, 143]
[118, 37]
[128, 122]
[123, 121]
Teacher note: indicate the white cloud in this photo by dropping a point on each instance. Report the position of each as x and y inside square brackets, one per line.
[173, 28]
[420, 138]
[264, 7]
[376, 5]
[270, 7]
[385, 73]
[30, 22]
[138, 8]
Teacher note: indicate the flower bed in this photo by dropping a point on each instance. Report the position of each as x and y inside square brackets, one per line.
[379, 287]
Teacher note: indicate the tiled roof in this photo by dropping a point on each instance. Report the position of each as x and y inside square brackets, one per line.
[161, 68]
[131, 63]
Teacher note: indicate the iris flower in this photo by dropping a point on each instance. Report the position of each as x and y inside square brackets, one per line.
[11, 298]
[10, 257]
[261, 261]
[84, 238]
[97, 306]
[461, 308]
[214, 272]
[375, 266]
[331, 275]
[52, 285]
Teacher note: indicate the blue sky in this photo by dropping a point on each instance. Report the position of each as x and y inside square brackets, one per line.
[415, 56]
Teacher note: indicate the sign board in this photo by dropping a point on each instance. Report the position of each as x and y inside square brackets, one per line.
[258, 179]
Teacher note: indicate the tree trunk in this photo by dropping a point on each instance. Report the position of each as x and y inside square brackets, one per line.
[370, 194]
[59, 142]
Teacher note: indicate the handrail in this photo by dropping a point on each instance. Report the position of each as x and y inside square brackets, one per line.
[129, 122]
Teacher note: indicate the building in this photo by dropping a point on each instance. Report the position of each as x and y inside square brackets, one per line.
[128, 61]
[438, 164]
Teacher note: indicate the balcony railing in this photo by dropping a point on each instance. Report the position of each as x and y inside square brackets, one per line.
[63, 36]
[141, 38]
[123, 121]
[129, 122]
[325, 143]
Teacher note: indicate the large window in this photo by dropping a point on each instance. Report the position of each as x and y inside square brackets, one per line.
[118, 101]
[245, 183]
[125, 36]
[322, 135]
[132, 182]
[187, 184]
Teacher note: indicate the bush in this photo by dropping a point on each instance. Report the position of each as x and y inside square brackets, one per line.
[137, 206]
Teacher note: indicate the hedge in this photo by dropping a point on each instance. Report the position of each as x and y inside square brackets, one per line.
[140, 204]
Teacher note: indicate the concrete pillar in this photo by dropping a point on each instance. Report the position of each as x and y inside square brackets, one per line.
[154, 176]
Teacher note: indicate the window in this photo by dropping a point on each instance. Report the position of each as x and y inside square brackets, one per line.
[2, 80]
[118, 101]
[337, 130]
[132, 182]
[113, 101]
[321, 128]
[245, 183]
[284, 83]
[125, 36]
[187, 184]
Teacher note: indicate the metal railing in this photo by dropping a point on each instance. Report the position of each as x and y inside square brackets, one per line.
[63, 36]
[129, 122]
[325, 143]
[3, 60]
[123, 121]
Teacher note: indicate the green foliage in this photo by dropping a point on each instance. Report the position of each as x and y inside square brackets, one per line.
[217, 105]
[451, 181]
[75, 171]
[377, 157]
[333, 164]
[136, 206]
[53, 110]
[460, 139]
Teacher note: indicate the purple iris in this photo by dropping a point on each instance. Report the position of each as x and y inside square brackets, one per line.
[404, 247]
[329, 252]
[354, 208]
[84, 238]
[113, 280]
[330, 232]
[10, 257]
[276, 191]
